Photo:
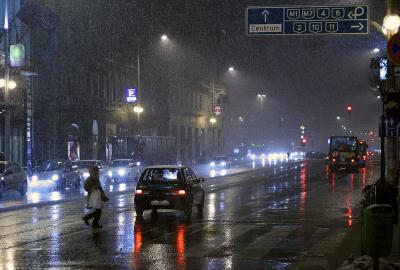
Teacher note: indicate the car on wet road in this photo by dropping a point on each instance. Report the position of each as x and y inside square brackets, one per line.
[123, 170]
[169, 187]
[56, 174]
[12, 177]
[220, 162]
[84, 165]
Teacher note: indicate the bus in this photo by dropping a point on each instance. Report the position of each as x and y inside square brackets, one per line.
[343, 153]
[145, 149]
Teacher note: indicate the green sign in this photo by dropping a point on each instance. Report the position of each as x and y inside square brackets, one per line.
[17, 55]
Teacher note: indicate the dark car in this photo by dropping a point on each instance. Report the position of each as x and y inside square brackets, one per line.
[56, 174]
[169, 187]
[12, 177]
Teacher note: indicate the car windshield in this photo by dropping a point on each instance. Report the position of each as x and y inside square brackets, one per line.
[120, 163]
[86, 164]
[162, 174]
[219, 158]
[51, 166]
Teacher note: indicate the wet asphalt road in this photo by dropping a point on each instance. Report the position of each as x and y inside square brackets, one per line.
[284, 217]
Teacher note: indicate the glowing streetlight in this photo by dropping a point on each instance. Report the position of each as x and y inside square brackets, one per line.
[164, 38]
[376, 50]
[231, 68]
[337, 117]
[391, 22]
[213, 120]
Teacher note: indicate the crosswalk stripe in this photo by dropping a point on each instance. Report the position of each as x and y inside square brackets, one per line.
[207, 247]
[263, 244]
[317, 255]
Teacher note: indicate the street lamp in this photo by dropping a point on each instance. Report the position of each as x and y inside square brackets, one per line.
[231, 69]
[164, 38]
[391, 22]
[213, 121]
[337, 117]
[261, 97]
[376, 50]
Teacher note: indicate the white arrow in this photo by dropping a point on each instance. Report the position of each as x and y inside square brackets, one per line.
[265, 13]
[358, 26]
[391, 121]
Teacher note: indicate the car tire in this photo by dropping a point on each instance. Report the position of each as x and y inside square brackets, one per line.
[24, 188]
[2, 190]
[200, 208]
[139, 211]
[188, 209]
[77, 182]
[62, 184]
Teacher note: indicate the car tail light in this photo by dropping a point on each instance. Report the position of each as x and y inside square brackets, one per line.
[141, 192]
[352, 161]
[179, 192]
[364, 157]
[334, 159]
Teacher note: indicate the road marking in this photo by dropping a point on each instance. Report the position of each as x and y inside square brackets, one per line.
[316, 256]
[263, 244]
[207, 247]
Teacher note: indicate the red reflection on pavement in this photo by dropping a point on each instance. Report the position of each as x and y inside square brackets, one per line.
[180, 246]
[303, 181]
[363, 176]
[350, 217]
[138, 245]
[333, 181]
[352, 181]
[371, 169]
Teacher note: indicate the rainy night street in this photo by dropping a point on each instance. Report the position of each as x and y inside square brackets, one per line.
[283, 216]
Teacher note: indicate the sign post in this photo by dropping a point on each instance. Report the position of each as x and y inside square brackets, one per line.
[307, 20]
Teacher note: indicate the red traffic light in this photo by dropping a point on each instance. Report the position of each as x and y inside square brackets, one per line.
[349, 108]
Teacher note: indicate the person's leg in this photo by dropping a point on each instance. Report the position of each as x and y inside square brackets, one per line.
[88, 217]
[97, 215]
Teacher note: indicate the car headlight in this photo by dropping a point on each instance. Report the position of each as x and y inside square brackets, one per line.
[121, 172]
[109, 173]
[223, 163]
[55, 177]
[86, 174]
[138, 163]
[2, 178]
[212, 164]
[34, 178]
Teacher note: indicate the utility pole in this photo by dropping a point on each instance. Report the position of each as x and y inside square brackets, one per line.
[7, 116]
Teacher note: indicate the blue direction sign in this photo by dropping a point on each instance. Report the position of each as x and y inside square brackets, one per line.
[307, 20]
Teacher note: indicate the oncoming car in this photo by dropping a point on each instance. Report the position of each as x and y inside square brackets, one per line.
[84, 165]
[123, 170]
[220, 162]
[169, 187]
[56, 174]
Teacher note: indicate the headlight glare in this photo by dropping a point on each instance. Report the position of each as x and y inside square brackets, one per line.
[55, 177]
[121, 172]
[110, 174]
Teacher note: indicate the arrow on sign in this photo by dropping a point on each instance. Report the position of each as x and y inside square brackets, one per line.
[359, 11]
[358, 26]
[265, 13]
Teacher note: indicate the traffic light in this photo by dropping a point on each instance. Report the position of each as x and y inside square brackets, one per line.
[303, 142]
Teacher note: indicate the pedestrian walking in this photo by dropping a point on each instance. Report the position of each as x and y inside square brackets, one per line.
[96, 197]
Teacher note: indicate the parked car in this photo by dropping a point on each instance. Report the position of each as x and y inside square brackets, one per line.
[84, 165]
[169, 187]
[56, 174]
[123, 170]
[220, 162]
[12, 177]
